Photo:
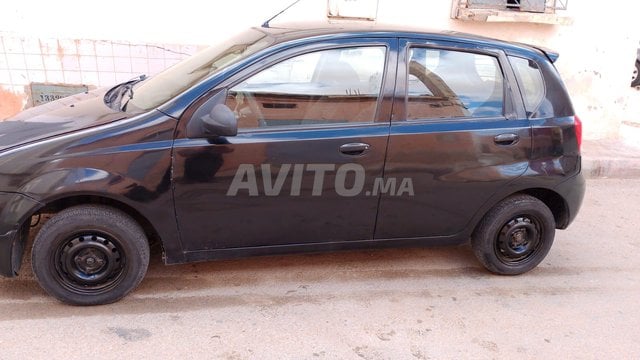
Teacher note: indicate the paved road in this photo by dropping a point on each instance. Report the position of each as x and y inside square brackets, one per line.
[582, 302]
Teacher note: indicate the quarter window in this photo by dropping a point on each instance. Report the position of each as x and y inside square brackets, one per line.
[530, 81]
[325, 87]
[453, 84]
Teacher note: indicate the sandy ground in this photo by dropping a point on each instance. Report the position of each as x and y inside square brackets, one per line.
[432, 303]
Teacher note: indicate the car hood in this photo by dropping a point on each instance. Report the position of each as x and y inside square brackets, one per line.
[63, 116]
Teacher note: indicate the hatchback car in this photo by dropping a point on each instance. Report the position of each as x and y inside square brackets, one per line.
[295, 140]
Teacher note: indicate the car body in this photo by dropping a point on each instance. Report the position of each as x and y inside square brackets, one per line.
[293, 140]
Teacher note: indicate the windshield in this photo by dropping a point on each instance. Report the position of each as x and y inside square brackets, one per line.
[158, 89]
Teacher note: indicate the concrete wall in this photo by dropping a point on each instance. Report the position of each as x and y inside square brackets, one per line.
[597, 50]
[96, 63]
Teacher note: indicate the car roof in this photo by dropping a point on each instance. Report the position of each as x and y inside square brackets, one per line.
[298, 31]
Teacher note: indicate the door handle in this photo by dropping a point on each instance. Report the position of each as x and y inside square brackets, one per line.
[506, 139]
[354, 148]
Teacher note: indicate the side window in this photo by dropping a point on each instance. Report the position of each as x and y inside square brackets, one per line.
[530, 81]
[324, 87]
[451, 84]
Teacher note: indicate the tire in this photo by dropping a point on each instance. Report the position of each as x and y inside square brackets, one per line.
[514, 236]
[635, 79]
[90, 255]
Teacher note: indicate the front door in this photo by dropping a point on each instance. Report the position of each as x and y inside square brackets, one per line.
[313, 131]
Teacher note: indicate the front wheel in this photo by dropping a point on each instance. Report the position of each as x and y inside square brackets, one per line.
[90, 255]
[514, 236]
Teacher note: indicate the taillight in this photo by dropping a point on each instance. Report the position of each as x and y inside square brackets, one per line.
[578, 125]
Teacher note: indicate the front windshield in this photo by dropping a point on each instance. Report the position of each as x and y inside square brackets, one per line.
[158, 89]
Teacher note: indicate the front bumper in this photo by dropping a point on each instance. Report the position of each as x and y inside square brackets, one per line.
[15, 210]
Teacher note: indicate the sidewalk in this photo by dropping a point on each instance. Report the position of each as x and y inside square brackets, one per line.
[611, 158]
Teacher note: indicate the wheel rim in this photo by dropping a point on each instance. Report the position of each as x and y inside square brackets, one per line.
[90, 263]
[519, 240]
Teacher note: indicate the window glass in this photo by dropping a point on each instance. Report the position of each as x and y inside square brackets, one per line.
[158, 89]
[530, 81]
[324, 87]
[450, 84]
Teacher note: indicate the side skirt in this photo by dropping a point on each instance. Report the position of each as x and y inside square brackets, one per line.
[232, 253]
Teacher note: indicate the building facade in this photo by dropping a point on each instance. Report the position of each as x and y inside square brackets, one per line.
[46, 43]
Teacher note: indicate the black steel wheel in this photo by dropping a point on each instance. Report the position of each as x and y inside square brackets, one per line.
[518, 239]
[515, 236]
[89, 263]
[90, 255]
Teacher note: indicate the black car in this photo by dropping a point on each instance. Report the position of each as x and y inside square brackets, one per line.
[295, 140]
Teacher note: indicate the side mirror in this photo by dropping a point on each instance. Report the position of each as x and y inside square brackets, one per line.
[221, 121]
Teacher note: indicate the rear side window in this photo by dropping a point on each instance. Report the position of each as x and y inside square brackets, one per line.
[453, 84]
[530, 81]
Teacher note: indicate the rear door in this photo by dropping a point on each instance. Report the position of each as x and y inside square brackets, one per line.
[458, 135]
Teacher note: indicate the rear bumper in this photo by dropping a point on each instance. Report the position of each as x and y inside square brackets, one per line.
[572, 190]
[14, 211]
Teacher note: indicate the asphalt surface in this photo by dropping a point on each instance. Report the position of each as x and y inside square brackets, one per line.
[582, 302]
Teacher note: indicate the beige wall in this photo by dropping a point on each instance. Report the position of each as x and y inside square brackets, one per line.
[596, 52]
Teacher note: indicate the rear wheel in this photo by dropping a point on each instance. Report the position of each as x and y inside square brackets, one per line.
[514, 236]
[90, 255]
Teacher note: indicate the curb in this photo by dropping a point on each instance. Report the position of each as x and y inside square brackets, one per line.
[610, 158]
[602, 168]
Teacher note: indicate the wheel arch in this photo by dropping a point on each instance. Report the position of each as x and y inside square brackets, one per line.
[65, 202]
[554, 201]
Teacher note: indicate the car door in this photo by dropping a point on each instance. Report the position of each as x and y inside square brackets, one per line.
[458, 135]
[313, 127]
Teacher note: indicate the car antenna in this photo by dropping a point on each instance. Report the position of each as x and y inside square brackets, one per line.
[266, 23]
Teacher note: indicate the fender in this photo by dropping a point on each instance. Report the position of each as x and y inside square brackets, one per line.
[147, 193]
[124, 163]
[564, 211]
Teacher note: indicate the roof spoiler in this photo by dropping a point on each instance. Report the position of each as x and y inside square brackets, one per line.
[550, 54]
